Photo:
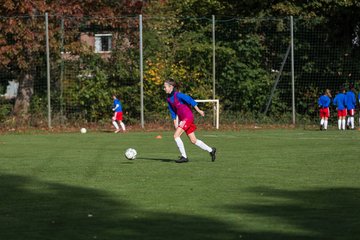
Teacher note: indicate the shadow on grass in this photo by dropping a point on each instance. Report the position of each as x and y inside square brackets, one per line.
[332, 213]
[157, 159]
[31, 209]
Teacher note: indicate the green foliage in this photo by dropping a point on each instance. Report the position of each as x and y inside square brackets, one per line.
[307, 100]
[243, 84]
[195, 8]
[38, 106]
[89, 96]
[122, 70]
[90, 93]
[5, 109]
[178, 44]
[173, 51]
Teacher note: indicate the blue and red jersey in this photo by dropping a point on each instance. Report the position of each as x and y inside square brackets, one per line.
[117, 105]
[180, 104]
[324, 101]
[350, 100]
[340, 101]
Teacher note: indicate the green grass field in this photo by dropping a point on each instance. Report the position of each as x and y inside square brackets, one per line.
[265, 184]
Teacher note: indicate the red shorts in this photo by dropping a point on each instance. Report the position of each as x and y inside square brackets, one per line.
[324, 113]
[118, 116]
[342, 113]
[351, 112]
[188, 126]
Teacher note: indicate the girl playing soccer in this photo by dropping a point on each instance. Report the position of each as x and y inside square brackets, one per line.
[118, 115]
[180, 104]
[324, 102]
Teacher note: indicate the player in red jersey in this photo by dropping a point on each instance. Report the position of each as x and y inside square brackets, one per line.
[179, 105]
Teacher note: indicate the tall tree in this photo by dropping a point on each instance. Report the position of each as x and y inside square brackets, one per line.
[22, 34]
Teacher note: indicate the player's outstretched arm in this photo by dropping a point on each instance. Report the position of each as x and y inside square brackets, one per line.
[201, 112]
[117, 105]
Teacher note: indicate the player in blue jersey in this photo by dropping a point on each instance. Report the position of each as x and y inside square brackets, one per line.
[324, 102]
[180, 105]
[350, 106]
[340, 103]
[118, 115]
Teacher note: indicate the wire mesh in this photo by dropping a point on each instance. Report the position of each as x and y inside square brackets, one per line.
[93, 58]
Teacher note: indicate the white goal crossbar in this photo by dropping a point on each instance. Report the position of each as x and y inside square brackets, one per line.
[217, 110]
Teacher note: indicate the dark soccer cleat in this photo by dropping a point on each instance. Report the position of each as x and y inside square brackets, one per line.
[213, 154]
[182, 160]
[321, 127]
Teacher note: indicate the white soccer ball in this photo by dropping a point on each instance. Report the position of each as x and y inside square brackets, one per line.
[83, 130]
[130, 153]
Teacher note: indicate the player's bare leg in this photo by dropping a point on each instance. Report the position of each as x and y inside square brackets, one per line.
[322, 124]
[114, 122]
[343, 123]
[122, 125]
[177, 137]
[202, 145]
[325, 123]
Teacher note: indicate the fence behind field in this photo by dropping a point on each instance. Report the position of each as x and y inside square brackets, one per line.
[245, 63]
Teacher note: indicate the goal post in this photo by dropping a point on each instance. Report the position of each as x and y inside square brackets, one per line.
[216, 108]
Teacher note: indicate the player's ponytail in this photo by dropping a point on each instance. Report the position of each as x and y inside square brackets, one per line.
[328, 92]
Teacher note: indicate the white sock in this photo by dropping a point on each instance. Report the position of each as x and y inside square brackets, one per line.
[352, 122]
[325, 124]
[122, 126]
[115, 125]
[343, 124]
[181, 147]
[202, 145]
[322, 122]
[339, 124]
[348, 121]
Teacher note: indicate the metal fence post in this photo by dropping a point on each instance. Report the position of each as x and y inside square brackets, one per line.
[48, 68]
[213, 64]
[62, 73]
[292, 68]
[141, 72]
[213, 46]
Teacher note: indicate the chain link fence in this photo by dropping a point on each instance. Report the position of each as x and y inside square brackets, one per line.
[245, 63]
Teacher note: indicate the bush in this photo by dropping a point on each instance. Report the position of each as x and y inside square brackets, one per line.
[5, 109]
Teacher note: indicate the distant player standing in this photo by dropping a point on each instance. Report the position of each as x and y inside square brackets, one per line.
[180, 104]
[339, 102]
[350, 106]
[324, 102]
[118, 115]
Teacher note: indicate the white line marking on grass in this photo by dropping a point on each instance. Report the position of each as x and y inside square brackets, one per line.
[222, 136]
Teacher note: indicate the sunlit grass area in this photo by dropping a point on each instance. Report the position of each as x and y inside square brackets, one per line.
[264, 184]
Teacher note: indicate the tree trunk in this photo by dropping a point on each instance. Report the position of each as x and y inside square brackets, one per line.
[25, 92]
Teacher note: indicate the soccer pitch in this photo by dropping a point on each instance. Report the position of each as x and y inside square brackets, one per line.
[264, 184]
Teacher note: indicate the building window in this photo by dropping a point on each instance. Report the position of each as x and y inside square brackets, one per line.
[103, 43]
